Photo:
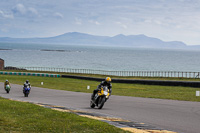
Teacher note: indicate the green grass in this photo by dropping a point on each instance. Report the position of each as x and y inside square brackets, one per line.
[28, 118]
[135, 90]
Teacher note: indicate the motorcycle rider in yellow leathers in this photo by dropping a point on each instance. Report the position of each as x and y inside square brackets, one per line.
[106, 82]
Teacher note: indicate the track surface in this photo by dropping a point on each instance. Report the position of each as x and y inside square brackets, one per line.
[178, 116]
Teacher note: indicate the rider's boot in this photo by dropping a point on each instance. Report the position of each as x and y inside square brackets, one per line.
[92, 97]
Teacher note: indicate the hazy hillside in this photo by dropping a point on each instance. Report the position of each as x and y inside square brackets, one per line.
[140, 41]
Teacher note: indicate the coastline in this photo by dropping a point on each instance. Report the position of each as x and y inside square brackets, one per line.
[5, 49]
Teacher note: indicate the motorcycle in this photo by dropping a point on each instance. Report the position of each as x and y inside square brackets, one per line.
[7, 88]
[26, 91]
[100, 98]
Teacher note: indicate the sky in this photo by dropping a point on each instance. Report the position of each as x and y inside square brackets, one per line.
[168, 20]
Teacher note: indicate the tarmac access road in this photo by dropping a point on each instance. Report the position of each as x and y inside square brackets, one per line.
[172, 115]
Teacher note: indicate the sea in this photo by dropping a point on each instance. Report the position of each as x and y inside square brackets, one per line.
[99, 57]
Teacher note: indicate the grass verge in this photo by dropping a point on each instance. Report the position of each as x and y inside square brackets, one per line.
[135, 90]
[26, 117]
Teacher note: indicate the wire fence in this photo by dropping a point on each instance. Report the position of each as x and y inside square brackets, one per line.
[177, 74]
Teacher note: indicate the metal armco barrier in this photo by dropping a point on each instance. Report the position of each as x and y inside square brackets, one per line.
[146, 82]
[30, 74]
[166, 74]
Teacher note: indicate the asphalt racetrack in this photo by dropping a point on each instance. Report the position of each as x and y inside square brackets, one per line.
[178, 116]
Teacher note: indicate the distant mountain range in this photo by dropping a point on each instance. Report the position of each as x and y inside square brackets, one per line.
[76, 38]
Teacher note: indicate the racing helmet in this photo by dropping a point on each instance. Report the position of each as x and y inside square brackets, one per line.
[108, 79]
[27, 81]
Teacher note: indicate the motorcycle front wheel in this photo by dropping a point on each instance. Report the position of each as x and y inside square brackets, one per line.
[25, 94]
[92, 105]
[101, 102]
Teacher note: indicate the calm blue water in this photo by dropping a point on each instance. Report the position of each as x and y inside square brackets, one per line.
[99, 58]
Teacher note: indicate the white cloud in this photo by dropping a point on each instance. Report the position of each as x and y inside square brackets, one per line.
[21, 10]
[121, 25]
[78, 21]
[58, 15]
[147, 21]
[33, 11]
[4, 30]
[4, 15]
[157, 22]
[94, 22]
